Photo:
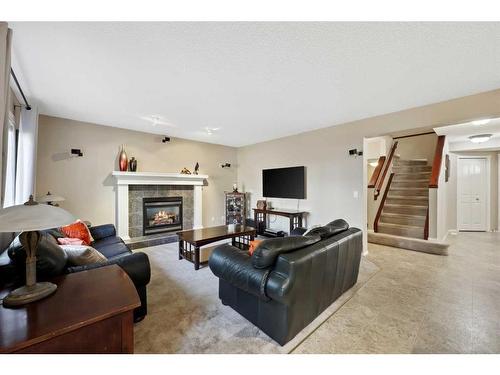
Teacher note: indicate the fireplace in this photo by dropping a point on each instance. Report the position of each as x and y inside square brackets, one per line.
[161, 215]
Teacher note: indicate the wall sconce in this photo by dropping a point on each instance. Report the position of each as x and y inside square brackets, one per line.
[225, 165]
[355, 152]
[76, 151]
[50, 199]
[165, 139]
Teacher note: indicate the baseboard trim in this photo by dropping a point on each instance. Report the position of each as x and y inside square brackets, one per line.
[452, 232]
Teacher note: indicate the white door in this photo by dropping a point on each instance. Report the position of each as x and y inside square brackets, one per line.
[472, 194]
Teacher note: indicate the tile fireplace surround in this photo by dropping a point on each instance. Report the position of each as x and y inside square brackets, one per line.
[137, 194]
[153, 185]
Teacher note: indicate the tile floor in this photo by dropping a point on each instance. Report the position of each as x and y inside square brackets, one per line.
[421, 303]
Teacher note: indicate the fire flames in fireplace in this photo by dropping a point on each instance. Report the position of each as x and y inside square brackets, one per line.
[163, 217]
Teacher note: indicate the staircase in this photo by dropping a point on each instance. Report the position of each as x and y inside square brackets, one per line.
[405, 208]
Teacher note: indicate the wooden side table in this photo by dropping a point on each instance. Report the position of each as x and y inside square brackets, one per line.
[91, 312]
[294, 217]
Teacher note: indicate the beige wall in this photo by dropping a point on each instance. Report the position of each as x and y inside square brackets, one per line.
[419, 147]
[86, 181]
[452, 187]
[332, 175]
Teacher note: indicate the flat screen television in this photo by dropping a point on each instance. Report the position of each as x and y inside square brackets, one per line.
[284, 183]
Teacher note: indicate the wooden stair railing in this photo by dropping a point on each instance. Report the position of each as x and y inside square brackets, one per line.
[376, 172]
[380, 182]
[381, 207]
[436, 164]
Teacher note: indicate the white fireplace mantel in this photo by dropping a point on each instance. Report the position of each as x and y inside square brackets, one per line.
[124, 179]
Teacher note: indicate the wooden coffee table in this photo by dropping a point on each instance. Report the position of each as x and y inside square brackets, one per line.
[190, 241]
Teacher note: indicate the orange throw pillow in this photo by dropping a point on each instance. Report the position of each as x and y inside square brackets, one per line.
[253, 246]
[78, 230]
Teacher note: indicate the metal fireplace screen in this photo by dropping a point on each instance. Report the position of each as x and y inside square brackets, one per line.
[161, 215]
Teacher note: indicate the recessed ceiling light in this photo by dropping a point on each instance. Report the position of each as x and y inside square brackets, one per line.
[156, 120]
[480, 138]
[481, 122]
[211, 131]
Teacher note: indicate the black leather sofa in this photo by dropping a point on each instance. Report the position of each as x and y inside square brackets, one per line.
[288, 282]
[51, 260]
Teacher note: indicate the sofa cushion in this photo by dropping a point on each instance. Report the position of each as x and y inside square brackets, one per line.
[268, 250]
[337, 226]
[101, 232]
[50, 258]
[106, 241]
[322, 232]
[80, 255]
[111, 247]
[331, 229]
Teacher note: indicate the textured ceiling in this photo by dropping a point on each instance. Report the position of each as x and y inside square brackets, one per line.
[252, 81]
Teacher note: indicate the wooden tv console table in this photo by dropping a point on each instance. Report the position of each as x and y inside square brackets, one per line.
[294, 216]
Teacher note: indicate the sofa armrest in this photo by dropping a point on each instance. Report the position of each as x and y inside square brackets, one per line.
[102, 231]
[299, 231]
[135, 265]
[235, 267]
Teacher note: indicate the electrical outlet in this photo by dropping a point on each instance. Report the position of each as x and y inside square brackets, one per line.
[355, 194]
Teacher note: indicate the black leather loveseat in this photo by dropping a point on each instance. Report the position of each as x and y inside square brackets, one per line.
[288, 282]
[51, 260]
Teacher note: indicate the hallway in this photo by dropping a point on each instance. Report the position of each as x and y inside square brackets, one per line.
[421, 303]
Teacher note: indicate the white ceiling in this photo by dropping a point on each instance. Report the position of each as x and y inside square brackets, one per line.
[462, 132]
[253, 81]
[458, 135]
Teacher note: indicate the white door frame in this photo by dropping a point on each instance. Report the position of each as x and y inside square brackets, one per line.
[488, 187]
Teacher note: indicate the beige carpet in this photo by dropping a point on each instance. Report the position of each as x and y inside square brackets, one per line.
[186, 315]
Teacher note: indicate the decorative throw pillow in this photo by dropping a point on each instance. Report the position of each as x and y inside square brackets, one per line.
[50, 258]
[253, 246]
[78, 230]
[69, 241]
[80, 255]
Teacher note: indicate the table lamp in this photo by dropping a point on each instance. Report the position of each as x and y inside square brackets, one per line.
[29, 218]
[50, 199]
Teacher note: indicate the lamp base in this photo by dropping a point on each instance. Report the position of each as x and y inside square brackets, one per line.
[27, 294]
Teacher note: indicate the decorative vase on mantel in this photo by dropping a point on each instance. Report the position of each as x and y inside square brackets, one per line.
[123, 161]
[132, 164]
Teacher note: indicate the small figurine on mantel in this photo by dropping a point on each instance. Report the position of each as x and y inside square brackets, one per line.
[196, 168]
[185, 171]
[235, 188]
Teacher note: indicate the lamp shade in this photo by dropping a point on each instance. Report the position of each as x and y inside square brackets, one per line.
[33, 217]
[50, 198]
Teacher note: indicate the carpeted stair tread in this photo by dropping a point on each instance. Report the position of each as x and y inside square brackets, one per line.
[404, 205]
[399, 226]
[415, 244]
